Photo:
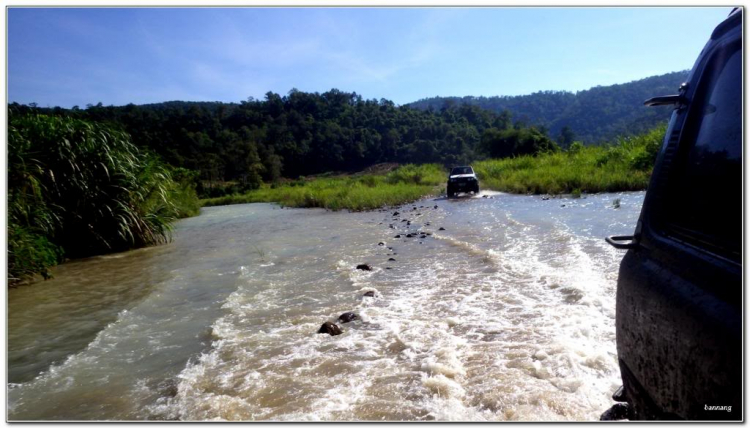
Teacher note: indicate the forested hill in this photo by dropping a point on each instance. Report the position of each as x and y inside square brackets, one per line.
[594, 115]
[304, 133]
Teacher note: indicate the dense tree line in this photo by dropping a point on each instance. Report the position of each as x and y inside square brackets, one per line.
[302, 133]
[597, 115]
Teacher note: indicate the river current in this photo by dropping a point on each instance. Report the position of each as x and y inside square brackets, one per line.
[506, 314]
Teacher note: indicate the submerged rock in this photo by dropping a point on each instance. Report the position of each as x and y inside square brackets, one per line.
[364, 266]
[409, 235]
[348, 317]
[397, 236]
[330, 328]
[435, 207]
[391, 259]
[381, 243]
[369, 294]
[442, 228]
[395, 213]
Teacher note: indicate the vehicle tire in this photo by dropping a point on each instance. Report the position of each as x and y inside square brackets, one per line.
[476, 189]
[451, 193]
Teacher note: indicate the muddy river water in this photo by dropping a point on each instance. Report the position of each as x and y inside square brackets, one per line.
[506, 314]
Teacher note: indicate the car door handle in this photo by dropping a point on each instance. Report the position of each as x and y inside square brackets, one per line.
[622, 242]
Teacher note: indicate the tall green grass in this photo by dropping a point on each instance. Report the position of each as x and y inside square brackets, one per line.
[356, 193]
[77, 189]
[625, 165]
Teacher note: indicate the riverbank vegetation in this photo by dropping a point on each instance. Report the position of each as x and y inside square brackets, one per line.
[77, 188]
[355, 192]
[625, 165]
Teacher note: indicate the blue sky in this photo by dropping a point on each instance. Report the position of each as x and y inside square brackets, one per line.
[68, 56]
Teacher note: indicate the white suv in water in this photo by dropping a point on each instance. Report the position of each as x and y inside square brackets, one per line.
[462, 179]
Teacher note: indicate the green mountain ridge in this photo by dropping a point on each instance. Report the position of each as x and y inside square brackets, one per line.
[594, 115]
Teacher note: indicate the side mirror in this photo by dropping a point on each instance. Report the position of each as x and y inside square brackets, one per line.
[666, 100]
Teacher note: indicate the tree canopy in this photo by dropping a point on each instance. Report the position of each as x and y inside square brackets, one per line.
[303, 133]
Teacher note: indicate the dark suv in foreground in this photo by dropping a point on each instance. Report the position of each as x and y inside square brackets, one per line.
[462, 179]
[679, 293]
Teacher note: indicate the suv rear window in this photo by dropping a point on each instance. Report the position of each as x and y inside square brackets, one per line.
[462, 170]
[705, 193]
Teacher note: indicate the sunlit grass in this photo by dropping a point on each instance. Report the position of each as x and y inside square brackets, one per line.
[356, 193]
[623, 166]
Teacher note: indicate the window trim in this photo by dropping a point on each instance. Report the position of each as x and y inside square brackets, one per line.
[715, 63]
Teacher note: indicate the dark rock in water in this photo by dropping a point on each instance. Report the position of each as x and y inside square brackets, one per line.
[562, 205]
[408, 223]
[617, 412]
[435, 207]
[364, 266]
[545, 198]
[168, 388]
[619, 395]
[389, 268]
[410, 236]
[348, 317]
[391, 259]
[442, 228]
[330, 328]
[422, 236]
[413, 208]
[390, 248]
[397, 236]
[369, 294]
[395, 213]
[381, 243]
[391, 226]
[419, 214]
[404, 220]
[421, 206]
[427, 224]
[484, 196]
[428, 233]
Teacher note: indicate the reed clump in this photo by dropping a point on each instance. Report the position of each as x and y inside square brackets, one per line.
[77, 188]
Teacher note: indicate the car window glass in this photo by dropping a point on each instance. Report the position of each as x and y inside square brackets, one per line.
[457, 171]
[705, 197]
